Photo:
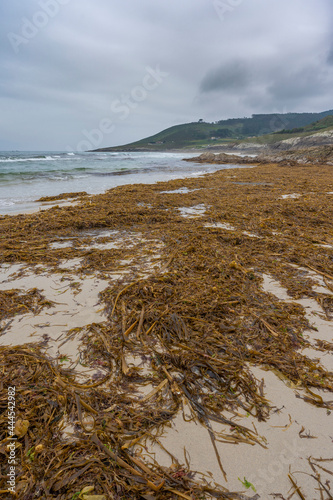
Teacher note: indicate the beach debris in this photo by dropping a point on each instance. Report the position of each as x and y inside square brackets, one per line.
[63, 196]
[14, 302]
[21, 428]
[85, 494]
[177, 339]
[247, 484]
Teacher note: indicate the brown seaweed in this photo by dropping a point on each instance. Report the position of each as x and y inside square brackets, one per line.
[198, 320]
[63, 196]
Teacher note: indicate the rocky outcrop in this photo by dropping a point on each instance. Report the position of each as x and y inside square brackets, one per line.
[249, 146]
[317, 140]
[222, 158]
[318, 155]
[314, 140]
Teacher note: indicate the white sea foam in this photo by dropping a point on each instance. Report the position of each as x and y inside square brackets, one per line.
[6, 203]
[18, 160]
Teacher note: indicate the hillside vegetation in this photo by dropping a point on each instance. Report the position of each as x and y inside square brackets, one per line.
[260, 128]
[323, 125]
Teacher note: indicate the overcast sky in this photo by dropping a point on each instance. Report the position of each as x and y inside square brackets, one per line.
[77, 73]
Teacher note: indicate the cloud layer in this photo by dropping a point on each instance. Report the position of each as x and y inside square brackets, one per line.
[122, 70]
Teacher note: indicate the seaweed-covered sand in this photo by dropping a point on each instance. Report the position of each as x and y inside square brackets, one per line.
[173, 340]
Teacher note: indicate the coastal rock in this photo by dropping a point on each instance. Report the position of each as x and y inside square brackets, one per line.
[313, 140]
[222, 158]
[206, 157]
[249, 146]
[315, 155]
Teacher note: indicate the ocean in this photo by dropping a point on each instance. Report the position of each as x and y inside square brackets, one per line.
[27, 176]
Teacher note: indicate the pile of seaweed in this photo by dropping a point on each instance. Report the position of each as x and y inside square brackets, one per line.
[63, 196]
[181, 340]
[14, 302]
[107, 419]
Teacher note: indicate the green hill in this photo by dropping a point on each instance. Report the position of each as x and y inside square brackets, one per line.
[313, 128]
[273, 127]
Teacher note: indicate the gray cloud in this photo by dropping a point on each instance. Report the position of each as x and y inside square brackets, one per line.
[300, 84]
[232, 76]
[64, 75]
[330, 57]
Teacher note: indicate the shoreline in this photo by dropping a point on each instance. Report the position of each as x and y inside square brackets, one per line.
[57, 197]
[204, 283]
[42, 207]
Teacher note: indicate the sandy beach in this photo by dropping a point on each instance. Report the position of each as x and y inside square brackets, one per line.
[173, 340]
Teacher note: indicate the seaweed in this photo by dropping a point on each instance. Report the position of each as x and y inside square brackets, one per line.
[104, 419]
[13, 302]
[63, 196]
[183, 326]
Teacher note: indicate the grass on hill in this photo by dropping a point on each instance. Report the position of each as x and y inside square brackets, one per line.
[322, 125]
[259, 129]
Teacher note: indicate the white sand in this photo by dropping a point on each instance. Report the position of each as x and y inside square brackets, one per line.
[292, 196]
[75, 297]
[195, 211]
[267, 469]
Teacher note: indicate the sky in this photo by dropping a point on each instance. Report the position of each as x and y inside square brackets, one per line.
[81, 74]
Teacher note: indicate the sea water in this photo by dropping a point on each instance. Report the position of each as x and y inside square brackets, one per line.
[27, 176]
